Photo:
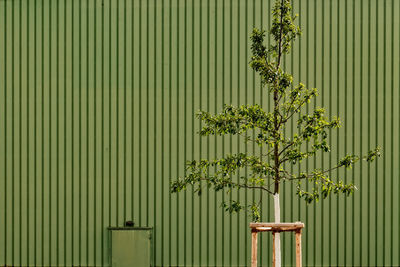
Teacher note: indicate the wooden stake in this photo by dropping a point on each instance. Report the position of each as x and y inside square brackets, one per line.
[298, 248]
[273, 249]
[253, 248]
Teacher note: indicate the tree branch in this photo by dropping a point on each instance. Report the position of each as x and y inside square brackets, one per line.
[243, 185]
[286, 147]
[296, 110]
[313, 175]
[257, 187]
[291, 103]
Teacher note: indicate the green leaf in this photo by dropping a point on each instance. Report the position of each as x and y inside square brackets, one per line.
[372, 154]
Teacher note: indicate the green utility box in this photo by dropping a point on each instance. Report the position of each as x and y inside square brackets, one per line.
[130, 246]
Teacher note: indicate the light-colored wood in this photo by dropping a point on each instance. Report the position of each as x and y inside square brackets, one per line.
[278, 258]
[298, 248]
[281, 225]
[273, 249]
[263, 229]
[253, 248]
[276, 227]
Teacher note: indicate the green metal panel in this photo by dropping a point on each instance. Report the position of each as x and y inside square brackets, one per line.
[130, 247]
[97, 103]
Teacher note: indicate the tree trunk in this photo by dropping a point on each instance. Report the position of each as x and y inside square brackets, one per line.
[277, 210]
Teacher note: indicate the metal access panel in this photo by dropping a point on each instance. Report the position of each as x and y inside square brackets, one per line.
[130, 246]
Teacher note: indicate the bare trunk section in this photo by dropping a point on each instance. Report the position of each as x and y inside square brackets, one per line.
[277, 241]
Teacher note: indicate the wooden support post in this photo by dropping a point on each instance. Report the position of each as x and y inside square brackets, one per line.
[298, 248]
[253, 248]
[273, 249]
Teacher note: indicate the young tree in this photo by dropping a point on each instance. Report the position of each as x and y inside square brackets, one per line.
[267, 170]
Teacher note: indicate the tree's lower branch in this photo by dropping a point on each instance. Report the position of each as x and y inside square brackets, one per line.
[256, 187]
[244, 186]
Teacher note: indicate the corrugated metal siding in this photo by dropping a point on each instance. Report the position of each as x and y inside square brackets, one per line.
[97, 106]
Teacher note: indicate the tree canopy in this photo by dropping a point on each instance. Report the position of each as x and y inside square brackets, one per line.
[267, 170]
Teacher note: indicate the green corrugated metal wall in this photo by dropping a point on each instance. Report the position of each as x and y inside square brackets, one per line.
[97, 103]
